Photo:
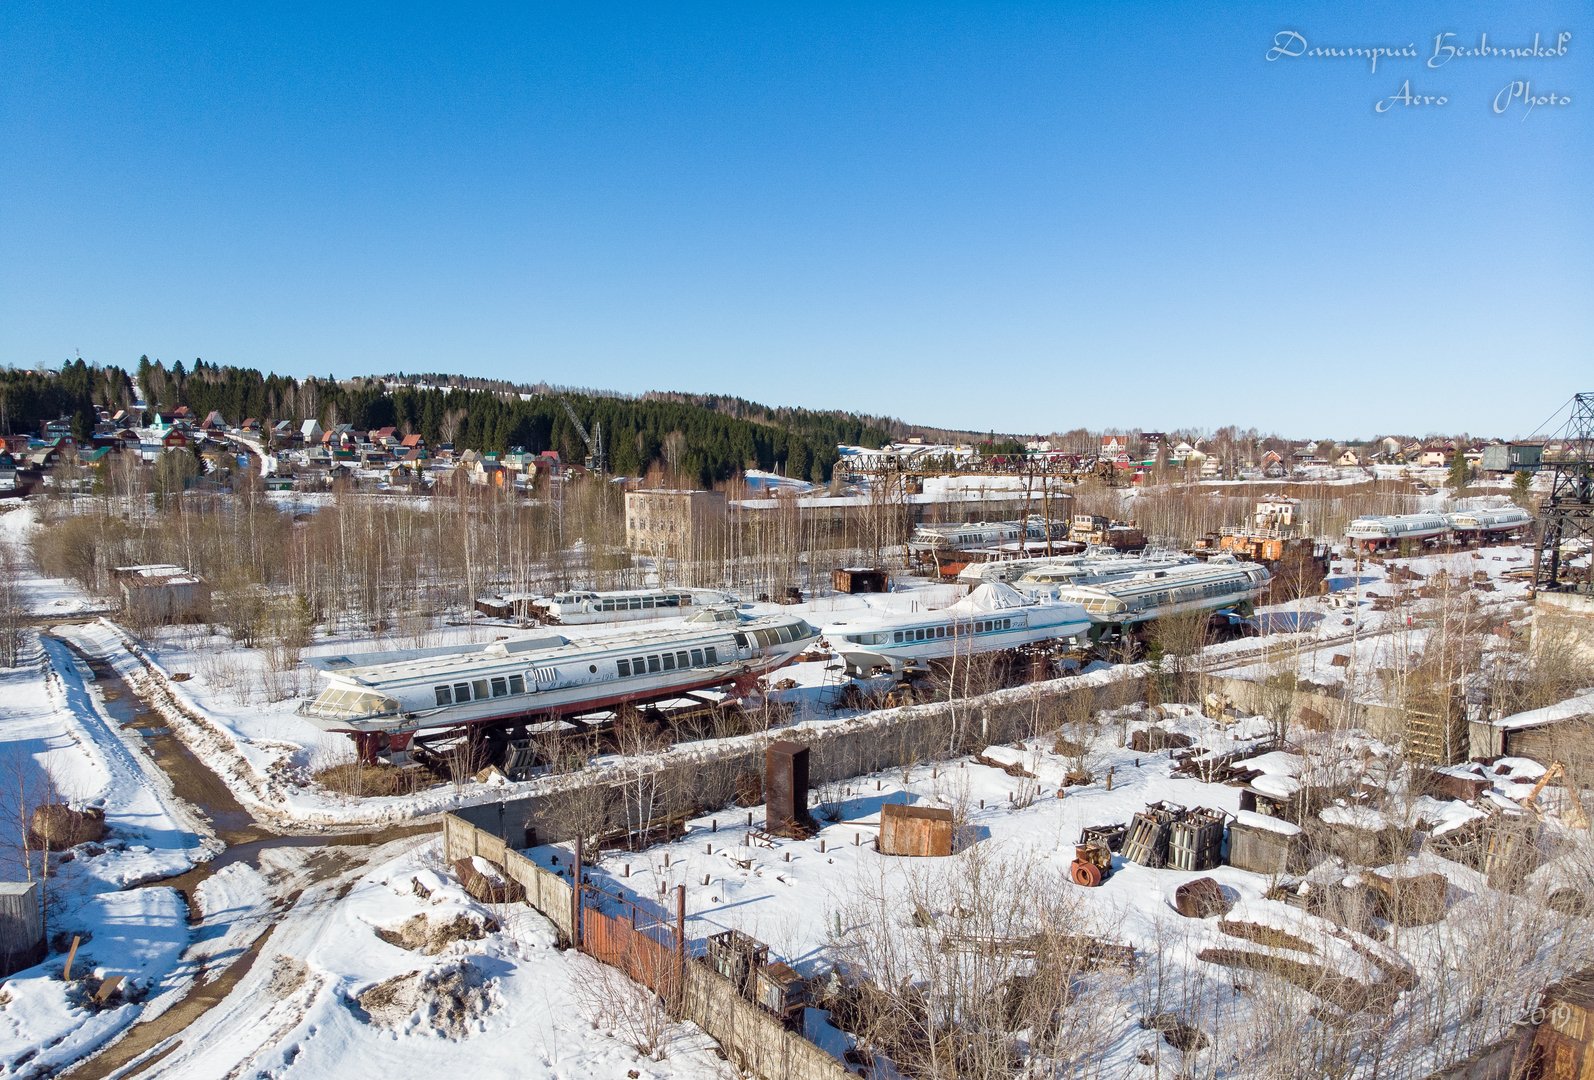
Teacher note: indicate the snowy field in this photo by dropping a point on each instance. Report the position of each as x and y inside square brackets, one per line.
[367, 975]
[57, 737]
[808, 899]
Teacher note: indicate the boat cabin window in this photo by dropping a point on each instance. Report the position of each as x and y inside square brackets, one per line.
[445, 695]
[623, 668]
[669, 661]
[653, 664]
[680, 659]
[709, 654]
[500, 687]
[517, 684]
[741, 640]
[479, 690]
[697, 657]
[461, 693]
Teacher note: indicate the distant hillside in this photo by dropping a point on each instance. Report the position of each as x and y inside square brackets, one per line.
[695, 438]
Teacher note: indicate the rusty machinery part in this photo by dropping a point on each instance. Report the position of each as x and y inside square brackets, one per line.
[1092, 864]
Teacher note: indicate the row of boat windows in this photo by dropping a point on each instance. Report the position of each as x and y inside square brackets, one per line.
[685, 658]
[935, 633]
[773, 636]
[1182, 595]
[638, 603]
[479, 689]
[461, 693]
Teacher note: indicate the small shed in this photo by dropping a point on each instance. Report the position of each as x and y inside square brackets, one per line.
[1266, 845]
[162, 593]
[857, 579]
[915, 830]
[21, 926]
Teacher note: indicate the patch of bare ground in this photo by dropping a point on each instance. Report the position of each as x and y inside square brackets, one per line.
[287, 975]
[421, 934]
[364, 781]
[446, 1002]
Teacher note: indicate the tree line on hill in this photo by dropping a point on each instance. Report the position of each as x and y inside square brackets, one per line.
[699, 439]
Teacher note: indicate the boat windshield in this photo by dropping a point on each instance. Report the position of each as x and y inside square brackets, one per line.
[348, 703]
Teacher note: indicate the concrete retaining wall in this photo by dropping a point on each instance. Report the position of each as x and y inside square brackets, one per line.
[753, 1039]
[545, 890]
[674, 784]
[1309, 709]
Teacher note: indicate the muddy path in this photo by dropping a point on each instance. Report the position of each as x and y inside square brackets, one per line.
[245, 840]
[148, 1042]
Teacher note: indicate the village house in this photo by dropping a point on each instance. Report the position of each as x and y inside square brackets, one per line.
[1434, 455]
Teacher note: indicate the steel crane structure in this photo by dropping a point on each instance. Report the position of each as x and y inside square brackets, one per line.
[597, 459]
[1566, 516]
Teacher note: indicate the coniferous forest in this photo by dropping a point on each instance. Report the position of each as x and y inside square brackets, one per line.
[695, 437]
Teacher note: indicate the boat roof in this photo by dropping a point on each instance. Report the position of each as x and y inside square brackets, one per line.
[992, 596]
[428, 663]
[1186, 574]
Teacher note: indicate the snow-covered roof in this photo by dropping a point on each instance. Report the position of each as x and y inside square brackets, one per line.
[992, 596]
[1354, 817]
[1573, 708]
[1263, 821]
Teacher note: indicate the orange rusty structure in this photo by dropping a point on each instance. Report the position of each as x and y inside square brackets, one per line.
[915, 830]
[1092, 863]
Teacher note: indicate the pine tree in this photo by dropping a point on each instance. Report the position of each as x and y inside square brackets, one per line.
[1521, 488]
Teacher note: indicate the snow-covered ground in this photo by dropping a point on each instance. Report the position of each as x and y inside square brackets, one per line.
[43, 596]
[460, 989]
[803, 897]
[56, 736]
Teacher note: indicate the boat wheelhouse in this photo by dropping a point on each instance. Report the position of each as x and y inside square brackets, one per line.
[397, 695]
[1213, 585]
[993, 617]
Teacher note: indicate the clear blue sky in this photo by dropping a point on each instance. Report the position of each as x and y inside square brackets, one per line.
[1012, 216]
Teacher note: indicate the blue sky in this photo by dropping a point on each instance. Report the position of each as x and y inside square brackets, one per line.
[1021, 217]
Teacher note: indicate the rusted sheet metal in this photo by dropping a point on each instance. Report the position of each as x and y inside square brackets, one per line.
[612, 940]
[915, 830]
